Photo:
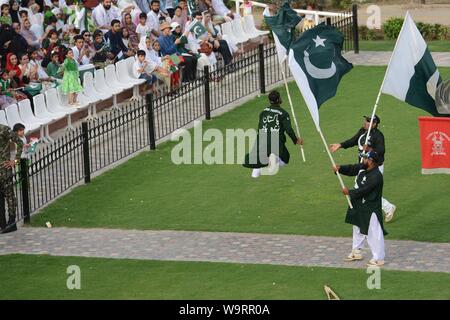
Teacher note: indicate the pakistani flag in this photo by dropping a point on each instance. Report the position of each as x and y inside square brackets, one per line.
[197, 29]
[317, 65]
[283, 27]
[412, 75]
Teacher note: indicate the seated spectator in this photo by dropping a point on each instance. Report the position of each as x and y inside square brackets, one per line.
[35, 61]
[184, 10]
[179, 18]
[23, 15]
[130, 27]
[54, 69]
[104, 14]
[6, 95]
[169, 44]
[18, 43]
[103, 55]
[14, 10]
[219, 45]
[155, 17]
[246, 8]
[88, 43]
[142, 29]
[144, 69]
[80, 54]
[5, 17]
[167, 64]
[308, 22]
[114, 36]
[57, 12]
[35, 16]
[29, 36]
[216, 34]
[220, 12]
[190, 58]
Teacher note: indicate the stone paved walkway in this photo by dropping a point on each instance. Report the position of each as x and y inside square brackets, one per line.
[293, 250]
[381, 58]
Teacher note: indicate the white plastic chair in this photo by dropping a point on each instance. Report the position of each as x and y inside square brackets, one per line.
[28, 118]
[227, 30]
[100, 85]
[238, 32]
[249, 26]
[111, 79]
[3, 120]
[125, 75]
[13, 116]
[54, 106]
[90, 91]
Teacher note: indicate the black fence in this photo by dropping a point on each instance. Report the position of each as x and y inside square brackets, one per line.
[140, 124]
[347, 23]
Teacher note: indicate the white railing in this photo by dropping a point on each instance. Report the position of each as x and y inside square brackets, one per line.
[317, 14]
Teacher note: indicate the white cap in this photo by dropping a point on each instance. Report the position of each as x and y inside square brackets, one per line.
[56, 11]
[174, 25]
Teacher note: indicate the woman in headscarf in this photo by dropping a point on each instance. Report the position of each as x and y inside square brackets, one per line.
[127, 23]
[14, 10]
[15, 74]
[153, 56]
[29, 36]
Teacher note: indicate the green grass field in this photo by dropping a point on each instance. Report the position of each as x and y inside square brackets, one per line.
[44, 277]
[388, 45]
[150, 192]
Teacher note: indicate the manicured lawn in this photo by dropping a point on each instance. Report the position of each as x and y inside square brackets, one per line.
[45, 277]
[150, 192]
[388, 45]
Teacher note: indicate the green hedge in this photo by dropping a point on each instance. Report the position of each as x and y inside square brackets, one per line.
[391, 29]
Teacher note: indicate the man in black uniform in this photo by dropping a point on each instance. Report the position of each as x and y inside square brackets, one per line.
[6, 177]
[365, 216]
[376, 143]
[274, 122]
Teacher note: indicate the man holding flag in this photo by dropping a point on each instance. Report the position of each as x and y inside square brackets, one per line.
[315, 61]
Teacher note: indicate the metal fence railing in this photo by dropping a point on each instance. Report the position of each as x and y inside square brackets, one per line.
[95, 145]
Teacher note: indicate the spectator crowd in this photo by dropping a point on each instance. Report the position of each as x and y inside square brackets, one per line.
[172, 40]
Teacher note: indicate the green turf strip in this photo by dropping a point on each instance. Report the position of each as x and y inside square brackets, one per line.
[150, 192]
[388, 45]
[45, 277]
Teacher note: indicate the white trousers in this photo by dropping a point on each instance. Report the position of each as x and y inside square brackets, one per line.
[375, 238]
[385, 204]
[257, 172]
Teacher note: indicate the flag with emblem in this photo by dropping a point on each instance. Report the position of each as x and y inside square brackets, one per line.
[412, 75]
[317, 65]
[197, 29]
[283, 27]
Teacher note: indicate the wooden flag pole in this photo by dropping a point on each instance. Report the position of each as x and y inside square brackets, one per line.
[334, 165]
[292, 108]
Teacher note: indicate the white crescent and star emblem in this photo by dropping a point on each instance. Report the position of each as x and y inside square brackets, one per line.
[313, 71]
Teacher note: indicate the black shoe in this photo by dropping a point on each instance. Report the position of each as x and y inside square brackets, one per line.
[10, 228]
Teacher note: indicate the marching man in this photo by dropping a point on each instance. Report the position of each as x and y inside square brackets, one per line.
[365, 216]
[376, 143]
[270, 146]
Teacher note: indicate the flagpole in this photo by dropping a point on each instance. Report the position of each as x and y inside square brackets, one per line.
[382, 84]
[292, 107]
[334, 165]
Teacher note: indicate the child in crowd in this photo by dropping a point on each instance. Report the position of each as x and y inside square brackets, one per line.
[54, 70]
[7, 95]
[28, 148]
[246, 8]
[144, 69]
[142, 29]
[5, 18]
[71, 82]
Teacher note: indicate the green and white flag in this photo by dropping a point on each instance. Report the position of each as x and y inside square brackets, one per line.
[283, 27]
[412, 75]
[197, 29]
[317, 65]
